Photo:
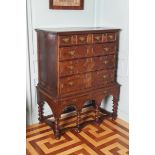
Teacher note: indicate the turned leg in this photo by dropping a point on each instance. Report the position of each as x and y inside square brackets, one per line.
[97, 114]
[40, 109]
[57, 129]
[78, 122]
[115, 107]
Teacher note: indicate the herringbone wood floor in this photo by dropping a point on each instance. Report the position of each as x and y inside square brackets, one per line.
[109, 138]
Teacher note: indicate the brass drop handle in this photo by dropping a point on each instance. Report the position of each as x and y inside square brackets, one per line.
[104, 76]
[66, 40]
[81, 38]
[105, 92]
[71, 83]
[70, 67]
[111, 36]
[71, 53]
[97, 37]
[106, 61]
[106, 49]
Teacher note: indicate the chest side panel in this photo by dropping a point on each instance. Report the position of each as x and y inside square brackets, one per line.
[47, 62]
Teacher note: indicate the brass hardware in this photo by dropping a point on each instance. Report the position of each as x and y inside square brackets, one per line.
[71, 67]
[106, 61]
[70, 83]
[71, 53]
[105, 92]
[106, 49]
[97, 38]
[111, 36]
[65, 40]
[81, 38]
[104, 76]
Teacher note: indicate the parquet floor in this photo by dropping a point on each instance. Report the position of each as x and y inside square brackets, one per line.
[108, 138]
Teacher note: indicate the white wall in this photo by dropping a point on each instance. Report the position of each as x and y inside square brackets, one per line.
[96, 13]
[116, 14]
[44, 17]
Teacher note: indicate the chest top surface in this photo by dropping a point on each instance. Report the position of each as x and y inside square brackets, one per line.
[77, 29]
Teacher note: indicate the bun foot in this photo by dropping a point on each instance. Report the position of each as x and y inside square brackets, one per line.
[57, 136]
[77, 130]
[114, 117]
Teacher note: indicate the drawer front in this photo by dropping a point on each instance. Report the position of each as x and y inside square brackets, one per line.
[104, 37]
[69, 40]
[102, 77]
[76, 66]
[75, 52]
[104, 49]
[86, 65]
[111, 36]
[97, 38]
[75, 83]
[104, 62]
[66, 40]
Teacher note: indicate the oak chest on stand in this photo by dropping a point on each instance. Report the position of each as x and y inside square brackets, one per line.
[76, 65]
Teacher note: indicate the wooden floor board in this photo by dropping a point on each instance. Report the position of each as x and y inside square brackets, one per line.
[109, 138]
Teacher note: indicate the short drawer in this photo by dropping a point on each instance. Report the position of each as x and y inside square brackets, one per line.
[75, 83]
[104, 49]
[66, 40]
[104, 62]
[70, 84]
[97, 38]
[104, 37]
[75, 52]
[102, 77]
[69, 40]
[111, 36]
[76, 66]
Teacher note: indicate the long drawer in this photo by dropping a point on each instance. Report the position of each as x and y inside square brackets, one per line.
[69, 40]
[83, 51]
[86, 81]
[86, 65]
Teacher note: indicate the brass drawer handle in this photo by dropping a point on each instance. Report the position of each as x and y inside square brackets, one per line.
[66, 40]
[111, 36]
[106, 49]
[70, 67]
[97, 38]
[70, 83]
[106, 62]
[104, 76]
[71, 53]
[105, 92]
[81, 38]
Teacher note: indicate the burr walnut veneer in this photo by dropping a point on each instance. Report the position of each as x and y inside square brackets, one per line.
[76, 65]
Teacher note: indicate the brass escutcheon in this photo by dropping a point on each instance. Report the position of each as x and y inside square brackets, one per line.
[71, 53]
[81, 38]
[71, 67]
[111, 36]
[65, 40]
[104, 76]
[71, 83]
[97, 38]
[106, 49]
[106, 61]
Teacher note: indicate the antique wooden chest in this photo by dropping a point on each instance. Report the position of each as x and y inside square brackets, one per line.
[76, 65]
